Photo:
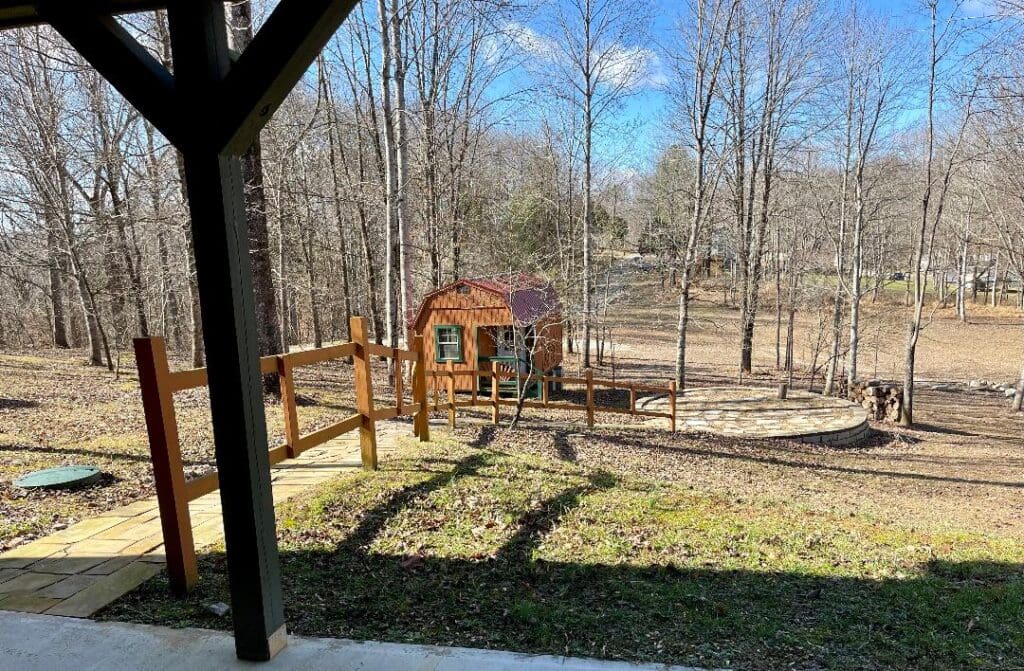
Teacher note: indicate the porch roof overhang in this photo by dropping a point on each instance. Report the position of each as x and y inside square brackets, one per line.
[211, 107]
[16, 13]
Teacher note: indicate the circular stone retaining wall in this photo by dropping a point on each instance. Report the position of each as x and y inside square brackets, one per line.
[755, 412]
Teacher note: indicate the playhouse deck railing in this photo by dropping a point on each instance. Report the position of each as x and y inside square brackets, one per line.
[442, 384]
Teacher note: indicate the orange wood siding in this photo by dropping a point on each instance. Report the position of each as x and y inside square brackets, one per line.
[549, 346]
[473, 309]
[468, 310]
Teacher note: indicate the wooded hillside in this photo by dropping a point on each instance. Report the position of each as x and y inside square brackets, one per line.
[808, 154]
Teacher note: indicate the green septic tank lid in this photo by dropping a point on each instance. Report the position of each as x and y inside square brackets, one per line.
[63, 477]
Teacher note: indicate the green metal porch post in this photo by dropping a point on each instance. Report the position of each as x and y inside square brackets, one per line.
[216, 202]
[212, 108]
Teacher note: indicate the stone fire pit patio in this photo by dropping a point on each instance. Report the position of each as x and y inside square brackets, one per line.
[757, 413]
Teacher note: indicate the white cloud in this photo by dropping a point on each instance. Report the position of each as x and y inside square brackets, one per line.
[530, 42]
[990, 8]
[630, 67]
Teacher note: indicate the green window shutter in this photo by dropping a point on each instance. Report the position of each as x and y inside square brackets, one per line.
[448, 343]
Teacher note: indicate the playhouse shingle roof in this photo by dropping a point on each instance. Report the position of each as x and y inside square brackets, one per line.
[529, 298]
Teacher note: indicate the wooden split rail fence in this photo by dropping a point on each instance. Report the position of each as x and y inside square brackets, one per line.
[446, 379]
[174, 491]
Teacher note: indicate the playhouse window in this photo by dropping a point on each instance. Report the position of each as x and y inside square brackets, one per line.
[448, 343]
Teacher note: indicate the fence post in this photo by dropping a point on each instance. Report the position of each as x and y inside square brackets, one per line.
[590, 397]
[672, 405]
[419, 390]
[632, 399]
[291, 417]
[364, 394]
[450, 369]
[399, 379]
[171, 494]
[495, 406]
[544, 394]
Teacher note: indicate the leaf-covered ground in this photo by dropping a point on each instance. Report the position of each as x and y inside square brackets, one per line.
[505, 540]
[617, 542]
[56, 411]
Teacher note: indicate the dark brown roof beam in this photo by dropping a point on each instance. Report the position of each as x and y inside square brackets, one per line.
[17, 13]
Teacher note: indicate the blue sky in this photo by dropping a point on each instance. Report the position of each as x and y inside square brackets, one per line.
[632, 137]
[645, 114]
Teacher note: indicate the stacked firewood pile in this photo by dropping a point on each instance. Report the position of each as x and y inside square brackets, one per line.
[882, 400]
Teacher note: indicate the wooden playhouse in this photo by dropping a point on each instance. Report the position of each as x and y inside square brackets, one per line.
[514, 321]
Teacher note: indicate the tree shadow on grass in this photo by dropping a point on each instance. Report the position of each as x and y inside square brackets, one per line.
[949, 615]
[17, 404]
[603, 397]
[141, 457]
[566, 452]
[767, 454]
[947, 430]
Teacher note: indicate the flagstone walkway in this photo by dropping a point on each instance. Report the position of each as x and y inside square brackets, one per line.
[78, 570]
[756, 412]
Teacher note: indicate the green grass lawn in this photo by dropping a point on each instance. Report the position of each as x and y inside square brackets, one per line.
[458, 545]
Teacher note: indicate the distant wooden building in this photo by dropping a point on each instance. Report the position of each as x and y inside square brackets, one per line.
[514, 320]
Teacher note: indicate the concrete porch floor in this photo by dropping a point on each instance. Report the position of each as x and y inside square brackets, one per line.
[31, 642]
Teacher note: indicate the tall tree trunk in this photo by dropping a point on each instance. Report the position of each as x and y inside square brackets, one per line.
[857, 260]
[361, 179]
[270, 337]
[993, 279]
[332, 142]
[284, 296]
[456, 249]
[197, 352]
[308, 234]
[195, 315]
[56, 285]
[314, 301]
[195, 308]
[366, 247]
[744, 223]
[98, 345]
[128, 264]
[838, 307]
[754, 280]
[681, 329]
[86, 297]
[170, 317]
[91, 320]
[402, 169]
[778, 298]
[588, 217]
[961, 296]
[391, 177]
